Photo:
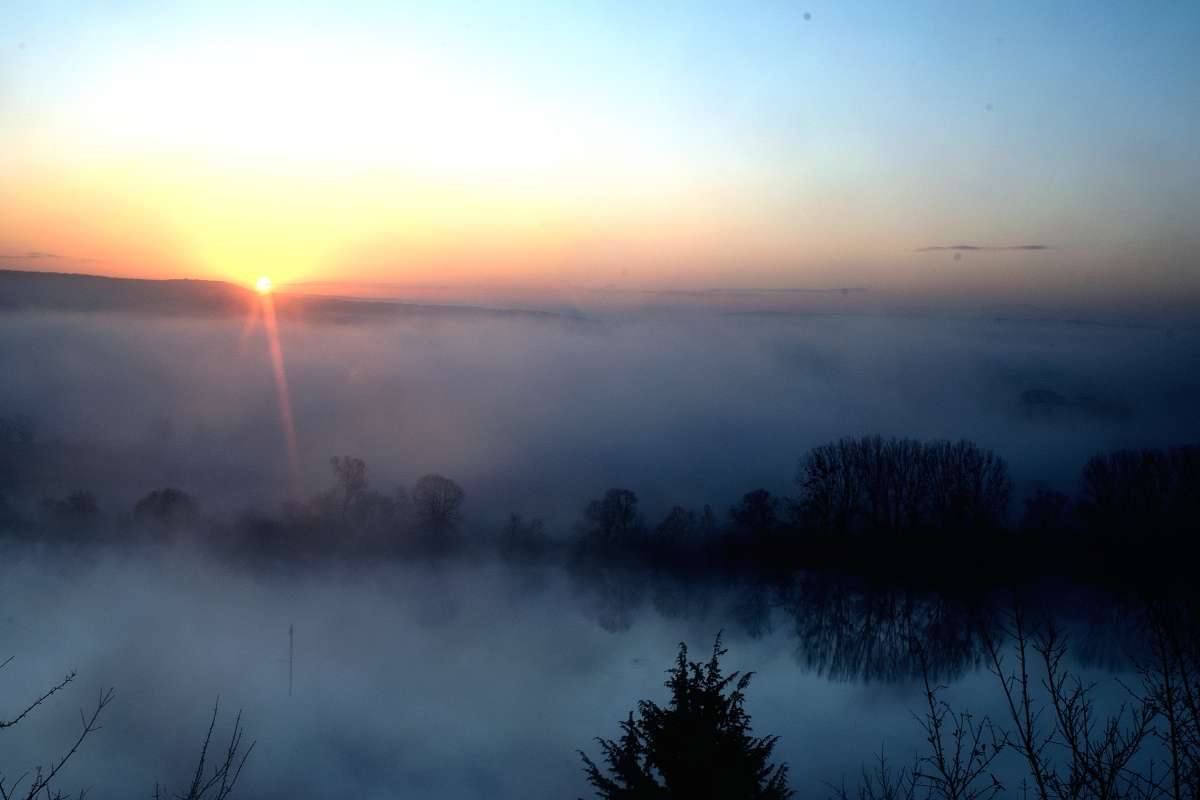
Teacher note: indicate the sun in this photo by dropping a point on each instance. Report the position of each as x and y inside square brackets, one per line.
[263, 284]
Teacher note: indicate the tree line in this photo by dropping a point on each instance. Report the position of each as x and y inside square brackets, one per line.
[941, 509]
[872, 499]
[901, 487]
[893, 487]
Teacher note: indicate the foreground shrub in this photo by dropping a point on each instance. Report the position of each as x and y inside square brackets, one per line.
[698, 746]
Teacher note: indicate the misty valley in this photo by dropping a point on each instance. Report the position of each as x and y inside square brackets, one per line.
[630, 401]
[485, 535]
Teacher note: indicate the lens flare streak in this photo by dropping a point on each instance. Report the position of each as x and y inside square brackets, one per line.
[281, 388]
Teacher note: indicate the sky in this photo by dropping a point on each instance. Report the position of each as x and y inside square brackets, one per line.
[924, 153]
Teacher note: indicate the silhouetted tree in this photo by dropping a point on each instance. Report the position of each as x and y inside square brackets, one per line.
[1070, 749]
[682, 526]
[1140, 492]
[325, 517]
[213, 786]
[894, 475]
[219, 783]
[167, 507]
[956, 766]
[42, 777]
[351, 475]
[901, 486]
[831, 489]
[1185, 491]
[79, 505]
[698, 746]
[437, 499]
[1171, 684]
[1074, 747]
[614, 517]
[756, 514]
[523, 539]
[1124, 489]
[682, 538]
[1048, 513]
[969, 488]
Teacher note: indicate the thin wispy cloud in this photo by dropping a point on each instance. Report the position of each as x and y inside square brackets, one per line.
[31, 256]
[989, 249]
[55, 256]
[726, 292]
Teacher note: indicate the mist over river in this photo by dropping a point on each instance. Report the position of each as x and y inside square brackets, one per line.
[432, 680]
[398, 386]
[465, 675]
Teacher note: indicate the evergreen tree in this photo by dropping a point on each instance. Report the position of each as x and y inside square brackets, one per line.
[698, 746]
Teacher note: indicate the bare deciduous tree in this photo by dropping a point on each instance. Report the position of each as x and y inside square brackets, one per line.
[616, 516]
[42, 777]
[1069, 748]
[351, 475]
[1143, 491]
[958, 764]
[1097, 753]
[756, 513]
[901, 486]
[437, 499]
[1171, 686]
[219, 784]
[832, 488]
[969, 487]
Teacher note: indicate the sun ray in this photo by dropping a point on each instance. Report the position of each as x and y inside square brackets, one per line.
[281, 388]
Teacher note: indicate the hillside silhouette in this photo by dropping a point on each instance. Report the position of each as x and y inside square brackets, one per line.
[77, 293]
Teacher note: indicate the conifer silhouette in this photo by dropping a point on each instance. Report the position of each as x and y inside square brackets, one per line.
[698, 746]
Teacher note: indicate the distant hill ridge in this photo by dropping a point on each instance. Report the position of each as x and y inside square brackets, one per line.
[60, 291]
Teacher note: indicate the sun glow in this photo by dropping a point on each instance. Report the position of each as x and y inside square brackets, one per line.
[294, 105]
[263, 284]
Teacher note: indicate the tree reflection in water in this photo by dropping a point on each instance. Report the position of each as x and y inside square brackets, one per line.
[852, 627]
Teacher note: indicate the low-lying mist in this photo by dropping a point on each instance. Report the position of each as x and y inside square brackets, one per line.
[480, 676]
[540, 414]
[446, 680]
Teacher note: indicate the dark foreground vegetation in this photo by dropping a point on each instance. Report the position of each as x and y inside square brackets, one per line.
[1055, 742]
[700, 745]
[213, 779]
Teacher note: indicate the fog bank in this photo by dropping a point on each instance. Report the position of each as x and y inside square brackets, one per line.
[542, 414]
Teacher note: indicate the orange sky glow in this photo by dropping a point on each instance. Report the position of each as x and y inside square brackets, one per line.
[447, 159]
